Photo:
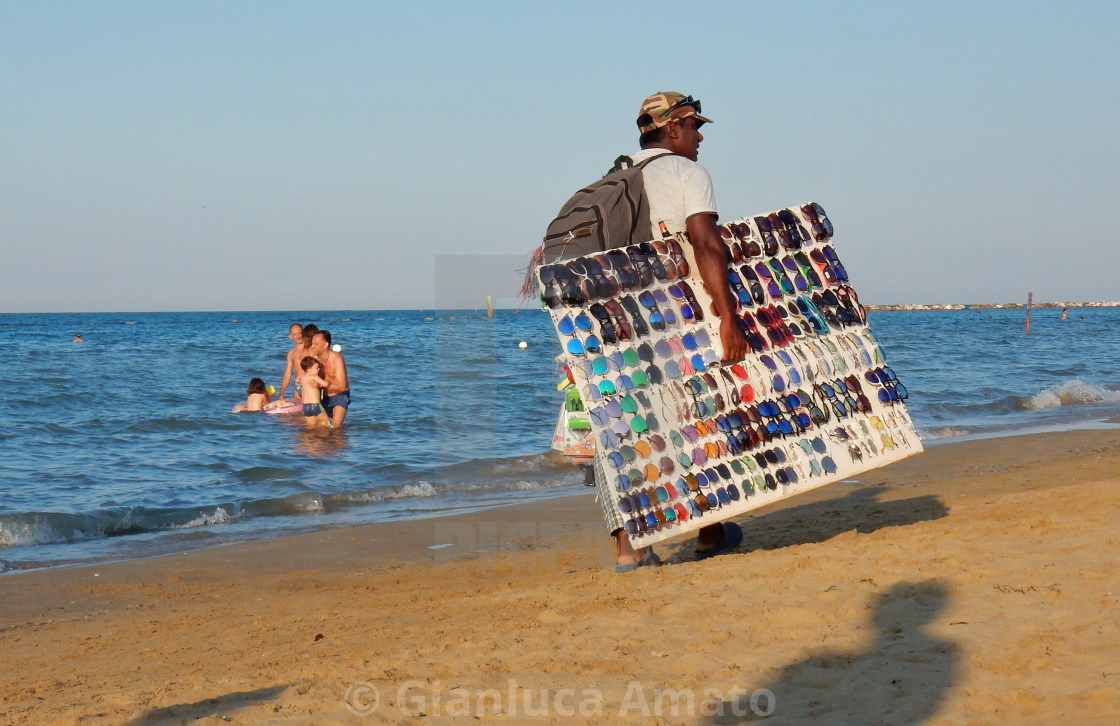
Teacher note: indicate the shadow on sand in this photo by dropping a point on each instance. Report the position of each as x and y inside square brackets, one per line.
[187, 712]
[900, 679]
[860, 511]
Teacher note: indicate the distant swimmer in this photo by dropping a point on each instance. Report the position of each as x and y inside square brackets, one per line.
[77, 339]
[1063, 313]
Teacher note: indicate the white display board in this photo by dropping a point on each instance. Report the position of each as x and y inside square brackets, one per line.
[686, 440]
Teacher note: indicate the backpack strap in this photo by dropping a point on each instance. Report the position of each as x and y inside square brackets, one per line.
[625, 162]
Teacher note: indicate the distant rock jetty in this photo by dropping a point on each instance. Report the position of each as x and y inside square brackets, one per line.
[993, 306]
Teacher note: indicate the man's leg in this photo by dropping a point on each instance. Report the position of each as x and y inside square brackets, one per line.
[625, 554]
[336, 407]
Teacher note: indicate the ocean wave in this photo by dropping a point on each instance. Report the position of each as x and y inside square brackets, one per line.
[32, 528]
[265, 473]
[418, 489]
[945, 432]
[298, 503]
[167, 425]
[1071, 393]
[480, 477]
[218, 516]
[998, 401]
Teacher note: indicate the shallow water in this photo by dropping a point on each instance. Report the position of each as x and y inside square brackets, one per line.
[124, 445]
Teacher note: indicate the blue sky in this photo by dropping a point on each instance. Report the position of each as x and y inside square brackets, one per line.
[282, 155]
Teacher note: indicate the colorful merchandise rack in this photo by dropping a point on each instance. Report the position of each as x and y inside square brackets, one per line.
[686, 440]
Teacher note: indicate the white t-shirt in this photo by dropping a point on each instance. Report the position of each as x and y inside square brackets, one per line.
[676, 188]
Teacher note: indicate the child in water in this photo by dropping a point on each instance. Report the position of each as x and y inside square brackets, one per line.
[313, 386]
[258, 397]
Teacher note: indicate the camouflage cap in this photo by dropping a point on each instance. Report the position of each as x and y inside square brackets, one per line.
[665, 106]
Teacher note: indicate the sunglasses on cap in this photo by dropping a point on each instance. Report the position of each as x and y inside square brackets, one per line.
[686, 101]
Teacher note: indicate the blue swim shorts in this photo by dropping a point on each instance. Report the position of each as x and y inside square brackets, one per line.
[338, 400]
[311, 410]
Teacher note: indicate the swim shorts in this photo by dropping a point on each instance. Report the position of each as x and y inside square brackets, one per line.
[338, 400]
[311, 410]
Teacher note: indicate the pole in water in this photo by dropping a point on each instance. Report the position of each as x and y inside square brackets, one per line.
[489, 307]
[1030, 299]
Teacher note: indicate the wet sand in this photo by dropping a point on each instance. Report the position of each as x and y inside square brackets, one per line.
[973, 584]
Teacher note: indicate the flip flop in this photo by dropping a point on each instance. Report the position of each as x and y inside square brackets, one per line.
[649, 559]
[730, 538]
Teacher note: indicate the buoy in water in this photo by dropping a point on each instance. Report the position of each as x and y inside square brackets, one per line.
[336, 348]
[523, 345]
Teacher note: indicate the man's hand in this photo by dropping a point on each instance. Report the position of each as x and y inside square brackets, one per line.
[734, 342]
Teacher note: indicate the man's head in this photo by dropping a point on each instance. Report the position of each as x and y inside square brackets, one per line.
[671, 120]
[295, 332]
[320, 342]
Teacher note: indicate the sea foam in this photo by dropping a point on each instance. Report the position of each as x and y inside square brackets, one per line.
[1072, 393]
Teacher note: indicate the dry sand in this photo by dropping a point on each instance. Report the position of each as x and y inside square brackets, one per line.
[973, 584]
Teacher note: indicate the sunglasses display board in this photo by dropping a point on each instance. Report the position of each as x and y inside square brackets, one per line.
[686, 440]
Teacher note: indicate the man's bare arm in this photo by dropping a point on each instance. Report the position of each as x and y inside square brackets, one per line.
[711, 260]
[289, 368]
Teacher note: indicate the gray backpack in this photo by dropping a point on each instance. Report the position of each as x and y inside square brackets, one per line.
[612, 212]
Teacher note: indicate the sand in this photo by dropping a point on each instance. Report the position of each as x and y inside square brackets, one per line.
[973, 584]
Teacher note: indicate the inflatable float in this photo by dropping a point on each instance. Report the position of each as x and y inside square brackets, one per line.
[283, 407]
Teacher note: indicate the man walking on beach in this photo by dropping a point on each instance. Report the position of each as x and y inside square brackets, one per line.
[680, 196]
[337, 399]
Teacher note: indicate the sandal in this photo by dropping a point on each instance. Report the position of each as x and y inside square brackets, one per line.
[649, 558]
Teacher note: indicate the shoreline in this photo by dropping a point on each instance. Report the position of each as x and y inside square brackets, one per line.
[970, 583]
[266, 534]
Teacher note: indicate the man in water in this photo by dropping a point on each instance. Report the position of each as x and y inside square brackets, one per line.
[337, 399]
[301, 336]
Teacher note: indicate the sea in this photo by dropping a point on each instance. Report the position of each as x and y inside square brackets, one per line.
[125, 446]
